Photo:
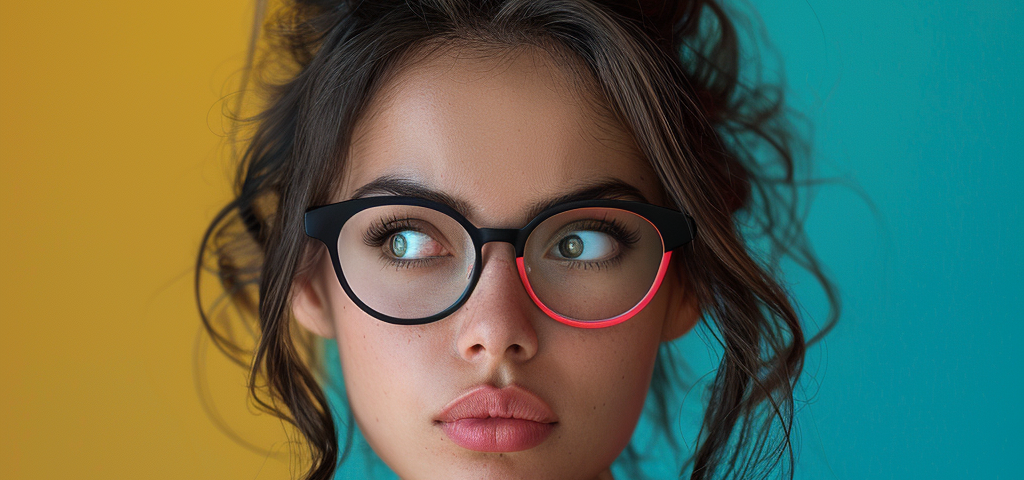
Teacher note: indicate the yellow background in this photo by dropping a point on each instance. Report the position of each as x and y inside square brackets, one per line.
[111, 166]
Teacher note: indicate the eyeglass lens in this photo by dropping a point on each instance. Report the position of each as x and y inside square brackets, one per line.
[587, 264]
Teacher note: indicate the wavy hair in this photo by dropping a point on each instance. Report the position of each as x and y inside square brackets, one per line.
[671, 72]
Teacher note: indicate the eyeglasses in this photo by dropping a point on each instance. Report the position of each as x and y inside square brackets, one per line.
[411, 261]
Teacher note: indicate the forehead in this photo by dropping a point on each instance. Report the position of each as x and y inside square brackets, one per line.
[499, 132]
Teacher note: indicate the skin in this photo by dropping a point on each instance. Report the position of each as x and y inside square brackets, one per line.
[500, 132]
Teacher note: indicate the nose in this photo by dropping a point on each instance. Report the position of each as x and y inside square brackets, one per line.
[498, 317]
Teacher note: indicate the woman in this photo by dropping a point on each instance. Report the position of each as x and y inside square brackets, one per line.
[499, 211]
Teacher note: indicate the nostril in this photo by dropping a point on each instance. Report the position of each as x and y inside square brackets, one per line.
[514, 349]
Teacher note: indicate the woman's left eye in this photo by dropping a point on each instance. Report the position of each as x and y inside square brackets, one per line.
[586, 246]
[412, 245]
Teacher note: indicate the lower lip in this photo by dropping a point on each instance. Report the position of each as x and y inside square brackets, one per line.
[497, 434]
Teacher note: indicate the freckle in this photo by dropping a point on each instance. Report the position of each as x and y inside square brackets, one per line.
[377, 419]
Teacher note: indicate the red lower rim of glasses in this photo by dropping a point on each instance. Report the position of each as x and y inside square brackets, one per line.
[598, 323]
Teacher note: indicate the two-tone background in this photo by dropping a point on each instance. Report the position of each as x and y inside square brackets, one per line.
[111, 165]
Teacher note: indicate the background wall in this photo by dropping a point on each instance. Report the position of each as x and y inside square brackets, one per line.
[110, 168]
[920, 104]
[110, 171]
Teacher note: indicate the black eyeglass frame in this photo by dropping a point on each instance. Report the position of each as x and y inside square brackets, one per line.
[325, 222]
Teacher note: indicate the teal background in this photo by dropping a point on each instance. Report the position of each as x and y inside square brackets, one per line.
[919, 105]
[915, 108]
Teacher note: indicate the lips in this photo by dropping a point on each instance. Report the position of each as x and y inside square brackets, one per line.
[489, 419]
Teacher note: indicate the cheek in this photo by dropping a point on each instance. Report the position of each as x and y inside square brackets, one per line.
[387, 373]
[605, 375]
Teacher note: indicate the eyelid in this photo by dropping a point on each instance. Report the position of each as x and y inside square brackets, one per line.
[392, 226]
[616, 246]
[417, 232]
[607, 226]
[434, 234]
[573, 226]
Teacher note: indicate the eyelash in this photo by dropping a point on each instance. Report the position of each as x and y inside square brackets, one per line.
[626, 237]
[382, 229]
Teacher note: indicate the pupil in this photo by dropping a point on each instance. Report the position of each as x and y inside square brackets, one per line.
[398, 245]
[571, 247]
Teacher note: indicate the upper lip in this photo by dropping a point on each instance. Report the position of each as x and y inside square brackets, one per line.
[487, 401]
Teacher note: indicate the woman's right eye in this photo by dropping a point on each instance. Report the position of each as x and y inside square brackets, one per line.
[412, 245]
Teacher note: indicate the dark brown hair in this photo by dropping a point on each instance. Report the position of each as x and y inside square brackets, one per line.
[670, 72]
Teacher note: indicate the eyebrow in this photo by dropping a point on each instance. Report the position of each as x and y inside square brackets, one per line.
[607, 188]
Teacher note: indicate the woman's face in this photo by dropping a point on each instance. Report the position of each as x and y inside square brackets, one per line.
[500, 133]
